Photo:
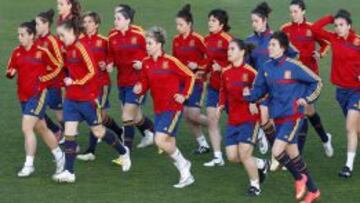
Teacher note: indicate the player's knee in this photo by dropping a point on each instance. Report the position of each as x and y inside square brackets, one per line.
[98, 131]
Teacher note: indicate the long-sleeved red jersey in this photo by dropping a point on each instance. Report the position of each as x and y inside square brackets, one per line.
[190, 49]
[233, 82]
[54, 45]
[34, 68]
[345, 71]
[304, 39]
[98, 46]
[164, 78]
[82, 70]
[216, 51]
[124, 49]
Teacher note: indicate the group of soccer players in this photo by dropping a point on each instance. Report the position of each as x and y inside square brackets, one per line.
[267, 83]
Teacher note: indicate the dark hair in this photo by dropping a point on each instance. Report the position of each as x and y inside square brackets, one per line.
[158, 34]
[30, 27]
[342, 13]
[72, 24]
[75, 8]
[262, 10]
[185, 13]
[282, 38]
[300, 3]
[47, 16]
[95, 16]
[222, 17]
[247, 47]
[126, 11]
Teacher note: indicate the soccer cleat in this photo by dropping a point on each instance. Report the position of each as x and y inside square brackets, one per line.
[263, 143]
[201, 150]
[275, 165]
[186, 178]
[60, 163]
[64, 177]
[214, 162]
[26, 171]
[147, 140]
[328, 148]
[78, 149]
[312, 197]
[253, 191]
[345, 172]
[300, 187]
[99, 140]
[86, 157]
[263, 172]
[124, 161]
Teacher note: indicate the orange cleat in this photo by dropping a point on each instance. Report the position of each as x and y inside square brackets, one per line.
[300, 187]
[312, 197]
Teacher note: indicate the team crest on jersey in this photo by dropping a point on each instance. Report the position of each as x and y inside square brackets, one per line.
[356, 41]
[287, 75]
[245, 77]
[165, 65]
[38, 55]
[308, 33]
[176, 44]
[192, 43]
[220, 44]
[133, 40]
[73, 54]
[98, 43]
[45, 45]
[48, 68]
[266, 74]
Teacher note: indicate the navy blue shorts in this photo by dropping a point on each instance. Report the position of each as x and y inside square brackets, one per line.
[36, 105]
[212, 97]
[243, 133]
[167, 122]
[104, 97]
[55, 100]
[288, 131]
[90, 111]
[126, 95]
[196, 97]
[348, 99]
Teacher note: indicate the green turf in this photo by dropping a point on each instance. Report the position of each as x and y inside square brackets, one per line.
[152, 175]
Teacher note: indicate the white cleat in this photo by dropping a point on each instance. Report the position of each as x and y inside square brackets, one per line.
[99, 140]
[214, 162]
[64, 177]
[328, 148]
[263, 143]
[60, 164]
[275, 165]
[186, 178]
[147, 140]
[124, 161]
[86, 157]
[26, 171]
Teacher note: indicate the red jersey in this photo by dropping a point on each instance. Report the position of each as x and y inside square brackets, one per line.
[164, 78]
[124, 49]
[216, 51]
[304, 39]
[234, 80]
[54, 45]
[82, 70]
[345, 71]
[99, 49]
[34, 68]
[190, 49]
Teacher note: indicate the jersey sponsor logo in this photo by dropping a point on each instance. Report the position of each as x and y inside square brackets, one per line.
[308, 33]
[165, 65]
[134, 40]
[287, 75]
[38, 54]
[98, 43]
[356, 41]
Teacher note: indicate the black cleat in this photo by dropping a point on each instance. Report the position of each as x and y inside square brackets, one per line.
[201, 150]
[253, 191]
[345, 172]
[263, 172]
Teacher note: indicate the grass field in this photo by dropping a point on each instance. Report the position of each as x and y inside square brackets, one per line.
[152, 175]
